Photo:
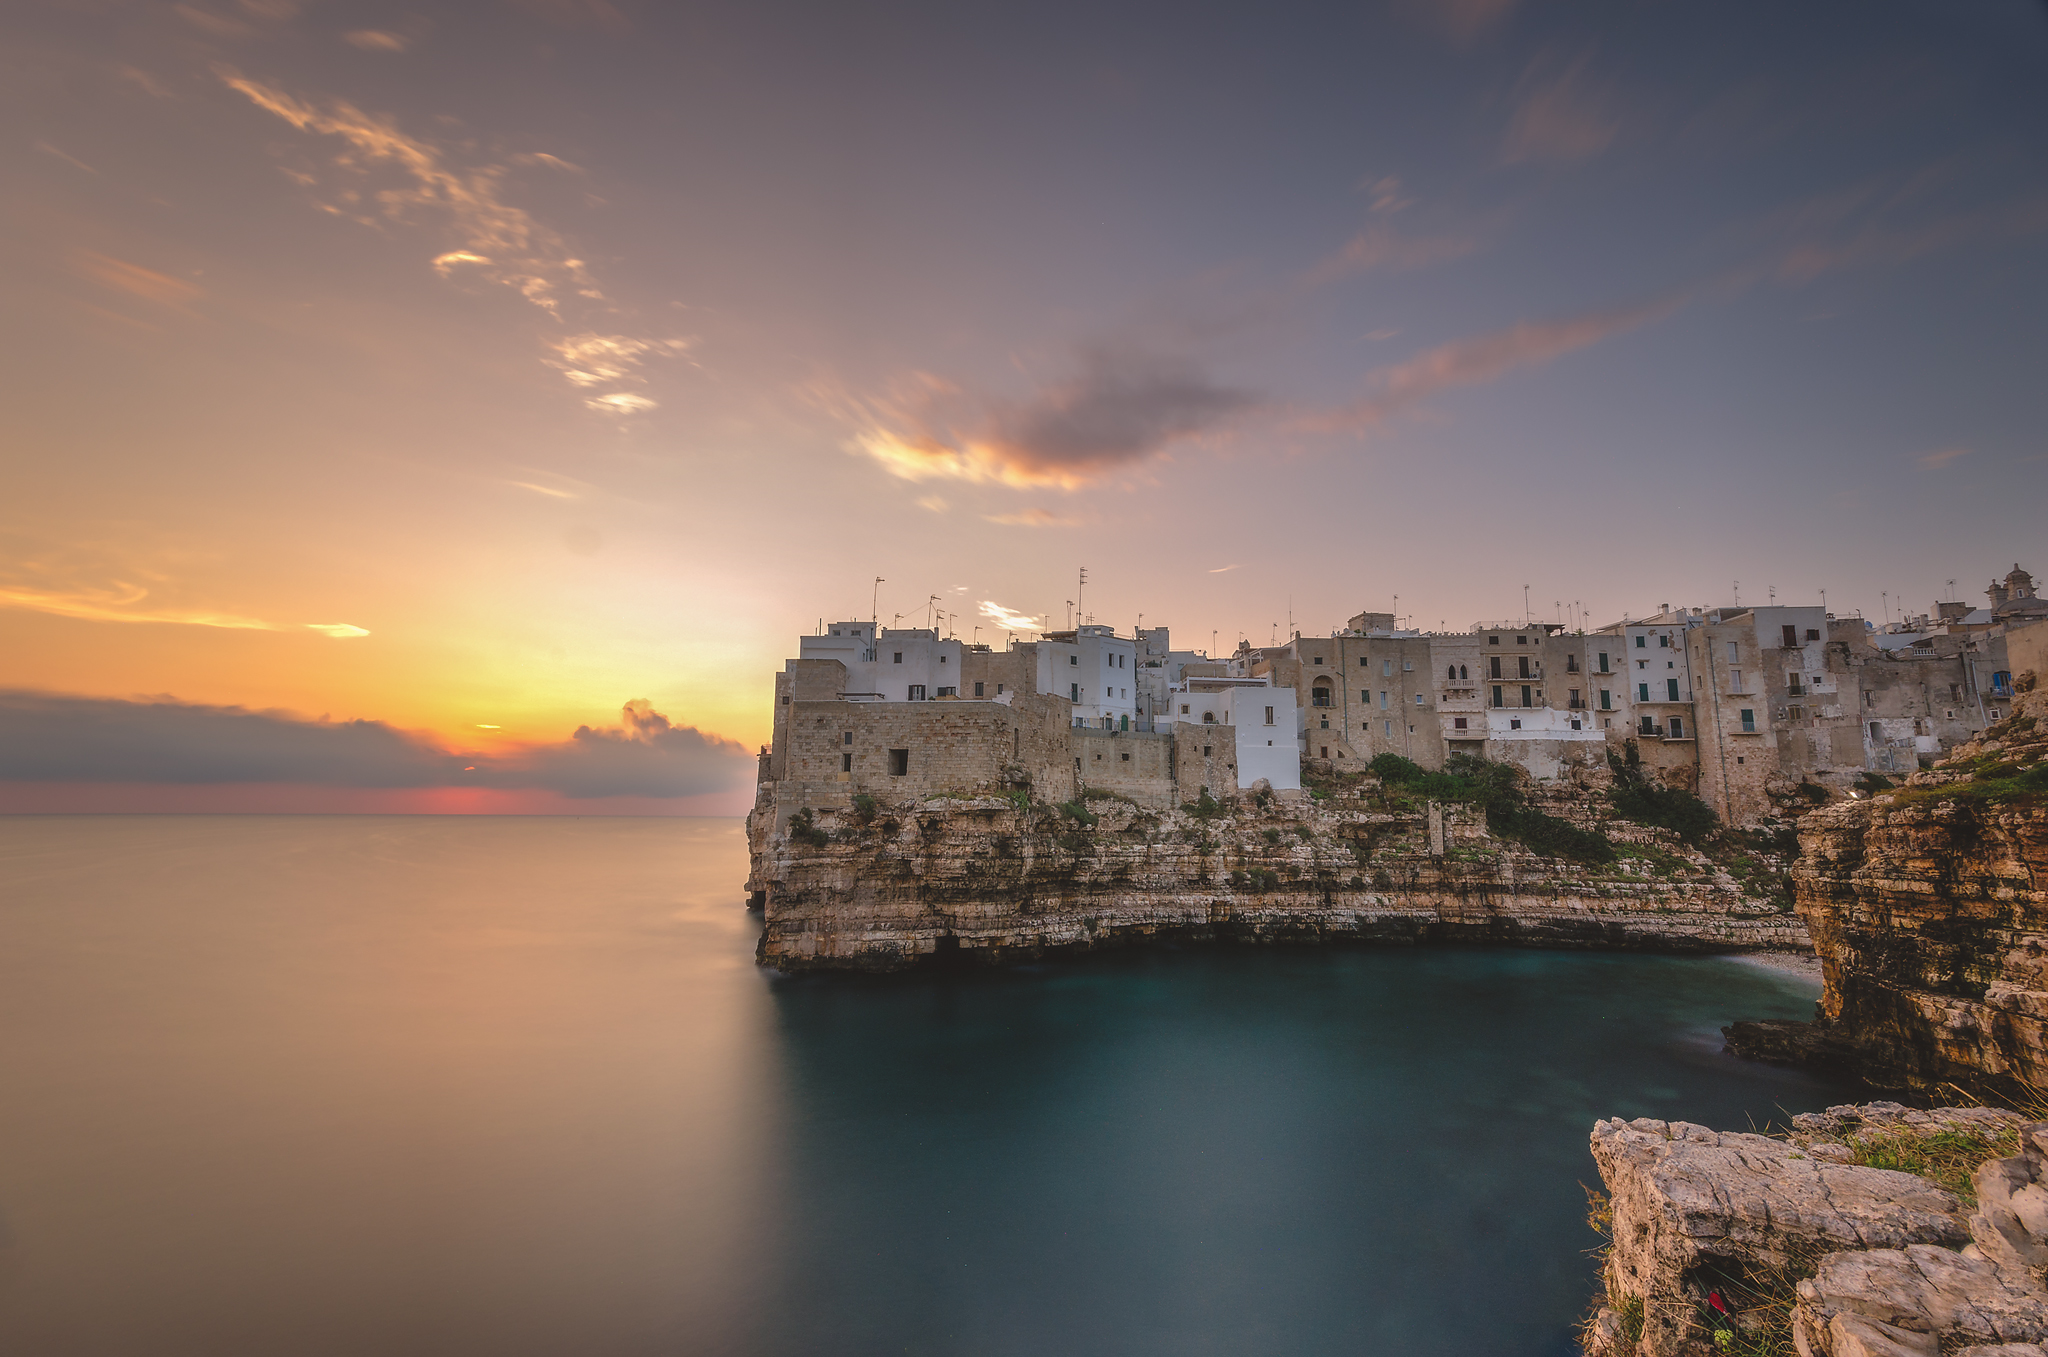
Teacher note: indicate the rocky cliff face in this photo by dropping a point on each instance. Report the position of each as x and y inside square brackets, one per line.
[1929, 910]
[1730, 1241]
[997, 879]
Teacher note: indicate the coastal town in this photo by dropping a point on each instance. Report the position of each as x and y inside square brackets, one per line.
[1750, 708]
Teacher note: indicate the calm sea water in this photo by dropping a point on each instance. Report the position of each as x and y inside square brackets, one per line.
[512, 1086]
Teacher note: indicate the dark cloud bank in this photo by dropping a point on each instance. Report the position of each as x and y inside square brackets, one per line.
[47, 737]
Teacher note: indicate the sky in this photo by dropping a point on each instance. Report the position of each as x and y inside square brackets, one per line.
[465, 407]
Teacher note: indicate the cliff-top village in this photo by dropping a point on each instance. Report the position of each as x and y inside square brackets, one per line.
[1741, 705]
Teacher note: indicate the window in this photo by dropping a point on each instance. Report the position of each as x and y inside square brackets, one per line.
[1407, 666]
[1495, 670]
[1461, 672]
[1677, 729]
[1790, 635]
[1183, 709]
[1671, 690]
[1734, 653]
[1603, 661]
[846, 763]
[1571, 664]
[1642, 692]
[1812, 633]
[1796, 713]
[942, 659]
[1326, 723]
[1269, 716]
[1073, 692]
[999, 690]
[1208, 719]
[1514, 725]
[1735, 679]
[1390, 729]
[846, 737]
[1365, 696]
[899, 657]
[1748, 721]
[1457, 723]
[1521, 640]
[1523, 666]
[1642, 664]
[899, 762]
[1606, 699]
[1418, 699]
[1664, 641]
[1493, 640]
[1383, 699]
[785, 699]
[1321, 696]
[1386, 668]
[1642, 641]
[914, 692]
[1525, 696]
[2001, 682]
[1452, 676]
[977, 690]
[1876, 731]
[1496, 696]
[1319, 659]
[1575, 699]
[1205, 751]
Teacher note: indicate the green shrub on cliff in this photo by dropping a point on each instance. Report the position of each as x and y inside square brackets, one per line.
[1638, 797]
[803, 827]
[1079, 813]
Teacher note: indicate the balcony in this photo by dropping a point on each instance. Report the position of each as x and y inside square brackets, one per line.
[1513, 674]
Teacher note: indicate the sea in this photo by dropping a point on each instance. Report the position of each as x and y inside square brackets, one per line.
[515, 1087]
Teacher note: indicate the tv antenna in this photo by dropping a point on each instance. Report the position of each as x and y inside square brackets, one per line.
[1525, 605]
[875, 604]
[1070, 613]
[1079, 586]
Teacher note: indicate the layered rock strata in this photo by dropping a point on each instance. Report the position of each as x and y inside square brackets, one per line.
[1710, 1229]
[1929, 910]
[989, 879]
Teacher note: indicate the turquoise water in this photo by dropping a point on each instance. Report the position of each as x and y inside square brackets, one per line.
[511, 1086]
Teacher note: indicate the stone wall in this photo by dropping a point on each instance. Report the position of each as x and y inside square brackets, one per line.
[1131, 764]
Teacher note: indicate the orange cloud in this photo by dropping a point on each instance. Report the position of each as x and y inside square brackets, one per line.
[1119, 410]
[1032, 518]
[1935, 461]
[1469, 362]
[134, 279]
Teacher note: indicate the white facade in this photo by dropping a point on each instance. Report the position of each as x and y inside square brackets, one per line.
[1096, 670]
[1266, 721]
[910, 664]
[1656, 676]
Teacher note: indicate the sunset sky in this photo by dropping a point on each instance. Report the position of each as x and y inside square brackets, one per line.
[393, 390]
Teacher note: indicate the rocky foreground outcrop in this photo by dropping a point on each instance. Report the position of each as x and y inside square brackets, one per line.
[1928, 907]
[1776, 1241]
[994, 879]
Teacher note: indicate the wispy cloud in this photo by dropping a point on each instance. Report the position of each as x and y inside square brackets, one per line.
[102, 583]
[1934, 461]
[47, 149]
[589, 360]
[1120, 409]
[377, 40]
[1879, 243]
[498, 241]
[1469, 362]
[1382, 245]
[1559, 115]
[1221, 569]
[1033, 518]
[1009, 619]
[550, 491]
[134, 279]
[340, 631]
[1459, 20]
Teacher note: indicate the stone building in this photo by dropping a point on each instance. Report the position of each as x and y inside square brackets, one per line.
[898, 714]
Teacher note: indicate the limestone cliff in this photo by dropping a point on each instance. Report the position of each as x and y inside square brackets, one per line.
[998, 878]
[1817, 1242]
[1928, 907]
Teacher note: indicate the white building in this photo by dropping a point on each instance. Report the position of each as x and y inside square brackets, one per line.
[1266, 719]
[910, 664]
[1096, 670]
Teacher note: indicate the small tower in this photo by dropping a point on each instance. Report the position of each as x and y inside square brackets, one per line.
[2019, 584]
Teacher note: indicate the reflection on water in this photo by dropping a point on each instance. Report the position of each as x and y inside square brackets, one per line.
[453, 1086]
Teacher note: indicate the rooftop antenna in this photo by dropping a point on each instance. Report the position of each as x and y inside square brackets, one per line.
[1773, 593]
[1083, 584]
[1738, 593]
[1290, 617]
[1559, 605]
[1070, 612]
[875, 605]
[1525, 605]
[1951, 591]
[1212, 643]
[1885, 597]
[930, 602]
[1823, 602]
[1397, 612]
[977, 636]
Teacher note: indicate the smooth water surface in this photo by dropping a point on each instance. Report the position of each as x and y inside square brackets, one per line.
[514, 1086]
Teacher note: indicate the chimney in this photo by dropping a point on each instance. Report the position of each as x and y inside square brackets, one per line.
[1996, 593]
